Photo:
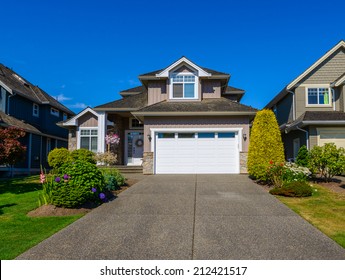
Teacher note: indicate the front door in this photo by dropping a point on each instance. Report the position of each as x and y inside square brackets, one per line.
[135, 147]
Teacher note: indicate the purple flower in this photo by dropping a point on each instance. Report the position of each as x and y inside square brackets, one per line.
[102, 195]
[57, 179]
[65, 177]
[93, 190]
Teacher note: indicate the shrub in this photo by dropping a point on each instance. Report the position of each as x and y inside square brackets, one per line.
[57, 157]
[293, 189]
[113, 179]
[265, 144]
[303, 157]
[107, 158]
[79, 182]
[327, 160]
[83, 155]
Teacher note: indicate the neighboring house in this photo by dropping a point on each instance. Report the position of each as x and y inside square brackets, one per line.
[28, 107]
[182, 119]
[310, 110]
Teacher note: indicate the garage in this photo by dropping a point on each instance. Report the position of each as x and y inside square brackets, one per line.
[334, 135]
[201, 152]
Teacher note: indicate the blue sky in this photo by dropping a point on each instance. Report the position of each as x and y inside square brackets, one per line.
[85, 52]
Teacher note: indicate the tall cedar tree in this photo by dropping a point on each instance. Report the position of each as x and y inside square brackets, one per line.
[11, 150]
[266, 146]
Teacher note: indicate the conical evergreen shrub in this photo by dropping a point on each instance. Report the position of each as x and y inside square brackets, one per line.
[266, 146]
[303, 156]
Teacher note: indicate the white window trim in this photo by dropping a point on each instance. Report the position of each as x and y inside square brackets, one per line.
[54, 112]
[85, 128]
[33, 110]
[330, 96]
[196, 86]
[131, 127]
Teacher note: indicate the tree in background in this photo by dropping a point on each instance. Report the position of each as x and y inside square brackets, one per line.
[266, 146]
[11, 150]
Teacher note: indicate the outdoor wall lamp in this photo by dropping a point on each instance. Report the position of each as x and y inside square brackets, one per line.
[244, 136]
[149, 137]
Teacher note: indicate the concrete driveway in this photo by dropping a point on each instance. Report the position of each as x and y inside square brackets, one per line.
[190, 217]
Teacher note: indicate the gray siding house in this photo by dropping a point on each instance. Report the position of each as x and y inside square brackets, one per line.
[30, 108]
[181, 119]
[310, 109]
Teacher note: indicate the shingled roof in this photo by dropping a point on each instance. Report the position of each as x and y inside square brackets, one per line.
[23, 87]
[127, 103]
[6, 120]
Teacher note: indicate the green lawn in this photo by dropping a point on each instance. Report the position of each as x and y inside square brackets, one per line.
[324, 209]
[19, 232]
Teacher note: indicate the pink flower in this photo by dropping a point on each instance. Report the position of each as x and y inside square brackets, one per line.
[42, 178]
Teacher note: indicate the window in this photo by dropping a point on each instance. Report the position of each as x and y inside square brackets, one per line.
[88, 139]
[35, 110]
[186, 135]
[318, 96]
[226, 134]
[166, 135]
[134, 123]
[54, 112]
[64, 116]
[205, 135]
[183, 86]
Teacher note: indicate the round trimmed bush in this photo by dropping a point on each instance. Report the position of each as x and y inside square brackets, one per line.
[57, 157]
[78, 182]
[84, 155]
[293, 189]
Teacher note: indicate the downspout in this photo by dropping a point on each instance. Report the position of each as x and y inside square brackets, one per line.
[306, 135]
[333, 97]
[293, 105]
[8, 102]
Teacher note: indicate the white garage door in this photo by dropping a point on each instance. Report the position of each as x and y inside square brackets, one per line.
[332, 135]
[196, 153]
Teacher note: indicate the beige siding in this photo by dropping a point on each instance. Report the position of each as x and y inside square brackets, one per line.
[196, 122]
[157, 91]
[328, 71]
[313, 137]
[301, 107]
[210, 89]
[88, 120]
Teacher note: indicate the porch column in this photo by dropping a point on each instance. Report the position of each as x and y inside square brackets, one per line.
[102, 122]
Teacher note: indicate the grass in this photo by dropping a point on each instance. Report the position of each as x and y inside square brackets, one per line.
[18, 232]
[325, 210]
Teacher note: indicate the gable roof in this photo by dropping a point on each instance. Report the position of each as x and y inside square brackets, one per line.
[293, 84]
[14, 83]
[341, 44]
[205, 72]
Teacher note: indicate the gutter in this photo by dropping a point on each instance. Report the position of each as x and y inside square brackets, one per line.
[177, 113]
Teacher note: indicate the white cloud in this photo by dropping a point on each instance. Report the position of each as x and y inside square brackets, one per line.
[78, 105]
[61, 97]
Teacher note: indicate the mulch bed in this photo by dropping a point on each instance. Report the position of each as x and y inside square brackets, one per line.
[51, 210]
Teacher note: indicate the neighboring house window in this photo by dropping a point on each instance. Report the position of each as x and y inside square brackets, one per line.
[88, 139]
[135, 124]
[183, 86]
[319, 96]
[54, 112]
[64, 116]
[35, 110]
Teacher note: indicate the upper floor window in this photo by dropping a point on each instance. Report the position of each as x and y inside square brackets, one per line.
[183, 86]
[54, 112]
[319, 96]
[64, 116]
[35, 110]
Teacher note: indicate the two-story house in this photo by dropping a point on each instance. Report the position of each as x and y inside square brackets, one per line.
[29, 107]
[310, 109]
[182, 119]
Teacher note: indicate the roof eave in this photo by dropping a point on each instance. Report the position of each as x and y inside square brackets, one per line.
[220, 113]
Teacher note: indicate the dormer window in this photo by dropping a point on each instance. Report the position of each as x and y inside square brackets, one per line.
[183, 86]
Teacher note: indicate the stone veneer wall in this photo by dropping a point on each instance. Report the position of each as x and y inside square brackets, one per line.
[72, 139]
[243, 162]
[148, 163]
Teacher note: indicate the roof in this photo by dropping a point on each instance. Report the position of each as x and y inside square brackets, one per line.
[127, 103]
[210, 105]
[6, 120]
[178, 62]
[233, 90]
[294, 83]
[23, 87]
[317, 117]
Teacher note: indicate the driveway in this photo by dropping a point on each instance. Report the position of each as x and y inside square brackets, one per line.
[190, 217]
